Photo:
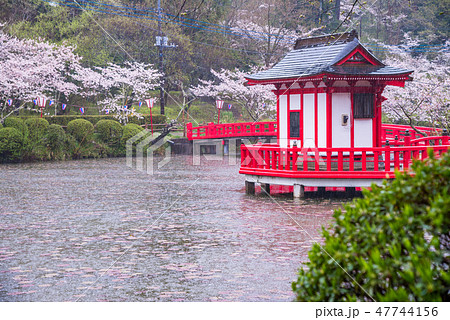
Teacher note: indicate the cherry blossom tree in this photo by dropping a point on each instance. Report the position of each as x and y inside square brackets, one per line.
[30, 68]
[425, 99]
[268, 29]
[120, 85]
[257, 100]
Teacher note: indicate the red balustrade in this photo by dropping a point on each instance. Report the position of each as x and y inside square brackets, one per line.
[249, 129]
[390, 131]
[231, 130]
[346, 163]
[431, 141]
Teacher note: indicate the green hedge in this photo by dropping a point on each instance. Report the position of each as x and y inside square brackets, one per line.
[37, 129]
[56, 137]
[11, 144]
[391, 245]
[129, 131]
[109, 131]
[17, 123]
[81, 129]
[64, 120]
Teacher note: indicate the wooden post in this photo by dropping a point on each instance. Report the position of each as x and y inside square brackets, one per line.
[250, 188]
[189, 130]
[321, 191]
[407, 154]
[299, 191]
[387, 157]
[351, 191]
[265, 188]
[445, 138]
[151, 120]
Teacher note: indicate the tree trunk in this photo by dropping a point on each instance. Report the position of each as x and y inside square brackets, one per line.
[337, 10]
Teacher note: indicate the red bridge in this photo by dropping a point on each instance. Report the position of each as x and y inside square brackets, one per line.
[232, 130]
[389, 132]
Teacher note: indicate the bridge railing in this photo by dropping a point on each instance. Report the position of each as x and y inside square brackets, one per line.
[394, 133]
[390, 131]
[346, 163]
[230, 130]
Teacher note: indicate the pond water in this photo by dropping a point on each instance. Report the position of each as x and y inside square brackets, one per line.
[97, 230]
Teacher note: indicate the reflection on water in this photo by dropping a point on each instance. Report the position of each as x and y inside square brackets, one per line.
[96, 230]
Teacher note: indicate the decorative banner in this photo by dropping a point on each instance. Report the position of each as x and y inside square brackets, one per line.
[64, 106]
[229, 106]
[82, 110]
[9, 102]
[150, 102]
[219, 104]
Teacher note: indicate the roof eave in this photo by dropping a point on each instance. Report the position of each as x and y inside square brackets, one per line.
[331, 76]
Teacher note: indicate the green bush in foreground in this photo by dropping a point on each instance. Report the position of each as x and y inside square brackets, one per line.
[82, 130]
[11, 144]
[394, 243]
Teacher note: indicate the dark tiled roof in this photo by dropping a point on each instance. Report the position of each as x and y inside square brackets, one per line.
[310, 61]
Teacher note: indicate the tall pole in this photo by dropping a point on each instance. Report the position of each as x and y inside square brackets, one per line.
[161, 60]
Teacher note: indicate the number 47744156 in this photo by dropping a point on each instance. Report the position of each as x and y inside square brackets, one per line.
[412, 311]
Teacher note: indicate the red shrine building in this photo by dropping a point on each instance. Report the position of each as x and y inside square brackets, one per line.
[329, 109]
[329, 93]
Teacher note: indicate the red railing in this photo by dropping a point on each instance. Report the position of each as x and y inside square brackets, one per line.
[335, 163]
[390, 131]
[230, 130]
[394, 133]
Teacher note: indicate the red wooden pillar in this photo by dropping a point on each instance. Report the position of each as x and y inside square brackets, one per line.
[301, 117]
[329, 118]
[352, 112]
[316, 109]
[278, 86]
[288, 110]
[189, 130]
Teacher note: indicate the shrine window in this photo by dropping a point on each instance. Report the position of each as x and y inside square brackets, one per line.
[294, 128]
[363, 105]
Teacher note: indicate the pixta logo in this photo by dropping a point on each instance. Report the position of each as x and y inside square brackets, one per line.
[144, 145]
[218, 149]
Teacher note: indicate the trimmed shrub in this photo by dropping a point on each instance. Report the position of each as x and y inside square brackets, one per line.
[56, 137]
[129, 131]
[17, 123]
[109, 131]
[82, 130]
[71, 147]
[64, 120]
[11, 144]
[37, 129]
[394, 243]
